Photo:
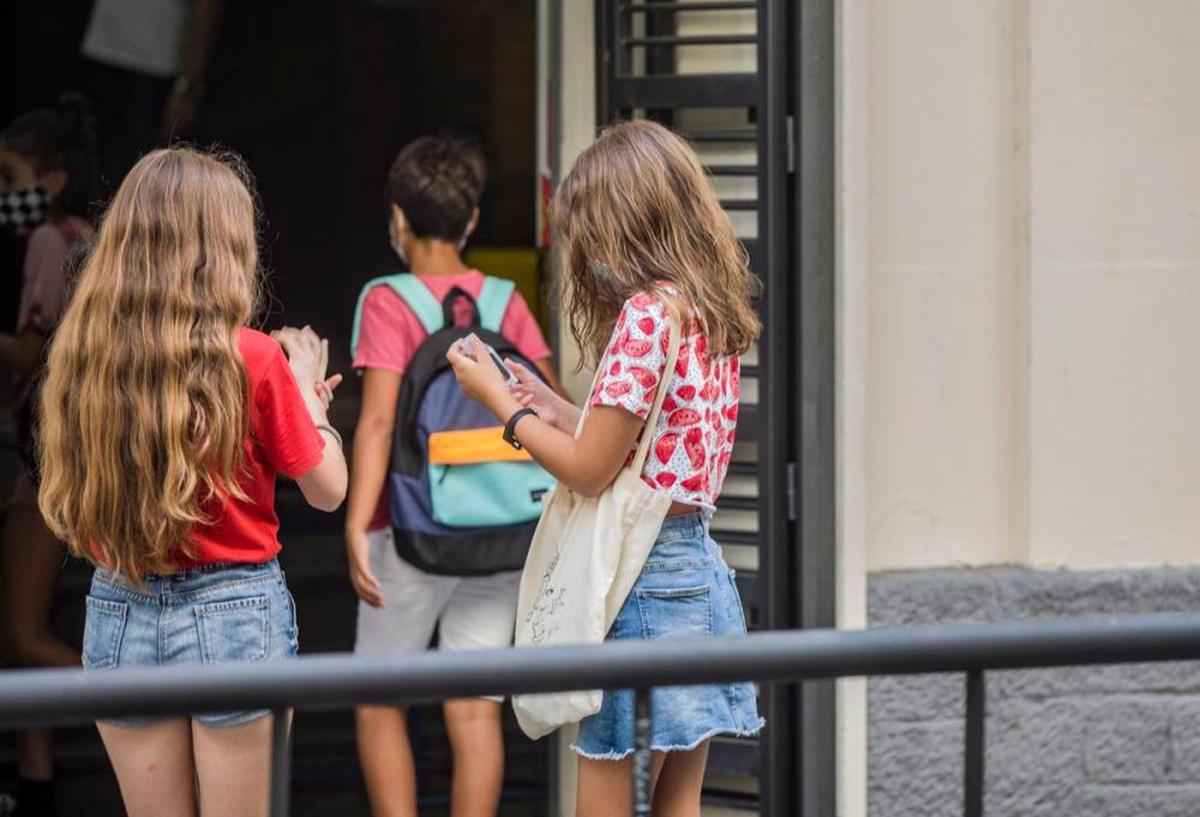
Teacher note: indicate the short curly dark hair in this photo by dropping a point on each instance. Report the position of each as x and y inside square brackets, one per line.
[437, 182]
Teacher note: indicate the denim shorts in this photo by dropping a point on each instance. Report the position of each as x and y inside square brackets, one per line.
[685, 590]
[212, 615]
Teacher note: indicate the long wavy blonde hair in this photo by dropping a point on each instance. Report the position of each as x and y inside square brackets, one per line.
[638, 211]
[144, 408]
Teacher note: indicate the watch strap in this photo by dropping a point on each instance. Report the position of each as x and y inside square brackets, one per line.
[510, 427]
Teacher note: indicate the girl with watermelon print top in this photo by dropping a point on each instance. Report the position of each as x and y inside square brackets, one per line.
[644, 243]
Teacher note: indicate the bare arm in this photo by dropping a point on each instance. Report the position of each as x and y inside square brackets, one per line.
[369, 468]
[180, 111]
[588, 464]
[202, 30]
[372, 446]
[323, 487]
[22, 352]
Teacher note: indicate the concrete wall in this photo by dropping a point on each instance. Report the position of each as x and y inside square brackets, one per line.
[1094, 741]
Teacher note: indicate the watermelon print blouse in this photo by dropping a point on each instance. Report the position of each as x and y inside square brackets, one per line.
[693, 440]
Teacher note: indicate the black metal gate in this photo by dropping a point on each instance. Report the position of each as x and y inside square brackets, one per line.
[750, 84]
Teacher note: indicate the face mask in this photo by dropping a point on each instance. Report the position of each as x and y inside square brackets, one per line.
[22, 210]
[397, 247]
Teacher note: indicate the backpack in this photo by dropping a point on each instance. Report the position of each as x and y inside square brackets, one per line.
[463, 502]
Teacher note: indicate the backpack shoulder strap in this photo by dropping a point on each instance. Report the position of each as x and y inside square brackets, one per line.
[493, 302]
[418, 297]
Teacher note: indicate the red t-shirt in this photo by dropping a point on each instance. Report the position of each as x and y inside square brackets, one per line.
[389, 334]
[283, 439]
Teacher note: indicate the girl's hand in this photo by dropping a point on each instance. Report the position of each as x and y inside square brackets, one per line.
[478, 378]
[325, 389]
[362, 578]
[533, 392]
[308, 355]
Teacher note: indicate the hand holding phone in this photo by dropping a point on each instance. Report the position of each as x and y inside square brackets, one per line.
[467, 346]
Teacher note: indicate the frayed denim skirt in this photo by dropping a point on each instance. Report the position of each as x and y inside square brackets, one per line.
[685, 590]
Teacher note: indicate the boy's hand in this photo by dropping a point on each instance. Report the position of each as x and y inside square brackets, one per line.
[362, 578]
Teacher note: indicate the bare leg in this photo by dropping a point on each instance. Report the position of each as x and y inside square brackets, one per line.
[387, 761]
[35, 754]
[605, 787]
[677, 793]
[233, 765]
[477, 742]
[154, 766]
[32, 559]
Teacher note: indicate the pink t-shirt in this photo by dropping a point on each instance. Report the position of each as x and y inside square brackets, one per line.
[389, 334]
[693, 439]
[44, 290]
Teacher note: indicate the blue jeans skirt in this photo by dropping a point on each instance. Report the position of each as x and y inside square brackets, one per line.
[211, 615]
[685, 590]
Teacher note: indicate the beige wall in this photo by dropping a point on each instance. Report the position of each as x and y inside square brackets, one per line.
[939, 260]
[1024, 240]
[1018, 293]
[576, 98]
[1114, 402]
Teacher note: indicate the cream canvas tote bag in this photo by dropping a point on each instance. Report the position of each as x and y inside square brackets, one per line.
[583, 560]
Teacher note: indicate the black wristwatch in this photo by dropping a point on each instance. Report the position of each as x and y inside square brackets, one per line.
[511, 426]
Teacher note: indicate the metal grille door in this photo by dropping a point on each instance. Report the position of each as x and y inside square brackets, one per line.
[718, 72]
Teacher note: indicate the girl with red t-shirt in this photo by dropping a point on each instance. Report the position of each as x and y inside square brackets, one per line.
[645, 244]
[165, 423]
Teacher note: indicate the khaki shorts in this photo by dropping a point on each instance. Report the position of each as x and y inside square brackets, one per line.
[468, 612]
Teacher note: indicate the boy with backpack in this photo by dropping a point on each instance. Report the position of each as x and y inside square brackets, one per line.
[441, 509]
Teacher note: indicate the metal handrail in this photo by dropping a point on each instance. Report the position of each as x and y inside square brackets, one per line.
[50, 697]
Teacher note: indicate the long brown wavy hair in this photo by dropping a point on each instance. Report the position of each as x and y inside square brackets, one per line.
[144, 409]
[637, 211]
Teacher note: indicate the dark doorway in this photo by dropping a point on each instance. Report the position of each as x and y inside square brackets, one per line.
[318, 96]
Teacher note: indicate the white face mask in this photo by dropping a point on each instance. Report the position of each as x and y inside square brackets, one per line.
[397, 245]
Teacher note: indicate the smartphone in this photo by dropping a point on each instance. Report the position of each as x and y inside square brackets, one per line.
[467, 344]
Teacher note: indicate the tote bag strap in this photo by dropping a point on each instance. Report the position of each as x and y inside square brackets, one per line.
[587, 406]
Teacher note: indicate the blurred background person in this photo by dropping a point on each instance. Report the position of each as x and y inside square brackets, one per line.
[147, 60]
[47, 187]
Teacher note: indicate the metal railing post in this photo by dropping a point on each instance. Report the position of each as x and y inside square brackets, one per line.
[281, 763]
[974, 745]
[641, 753]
